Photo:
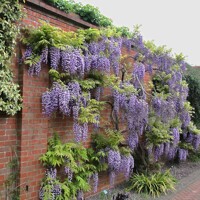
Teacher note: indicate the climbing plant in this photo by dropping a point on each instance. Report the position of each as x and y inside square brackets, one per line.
[82, 63]
[10, 98]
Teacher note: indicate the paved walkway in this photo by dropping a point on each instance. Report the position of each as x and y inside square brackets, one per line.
[187, 189]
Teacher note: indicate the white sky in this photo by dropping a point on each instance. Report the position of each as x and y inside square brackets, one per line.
[174, 23]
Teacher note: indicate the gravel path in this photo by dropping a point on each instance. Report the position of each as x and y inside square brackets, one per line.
[187, 188]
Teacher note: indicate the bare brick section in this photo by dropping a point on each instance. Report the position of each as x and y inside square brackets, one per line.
[27, 133]
[8, 143]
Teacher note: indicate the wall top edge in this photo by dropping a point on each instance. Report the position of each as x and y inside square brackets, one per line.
[68, 17]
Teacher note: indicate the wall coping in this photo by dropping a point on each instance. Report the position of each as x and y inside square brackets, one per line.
[68, 17]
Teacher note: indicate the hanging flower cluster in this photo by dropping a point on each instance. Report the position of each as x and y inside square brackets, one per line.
[119, 163]
[68, 99]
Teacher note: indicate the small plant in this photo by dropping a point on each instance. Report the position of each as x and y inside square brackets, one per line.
[154, 184]
[69, 168]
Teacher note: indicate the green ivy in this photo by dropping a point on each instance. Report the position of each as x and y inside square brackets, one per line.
[10, 98]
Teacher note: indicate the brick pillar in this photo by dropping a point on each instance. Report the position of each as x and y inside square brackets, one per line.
[33, 134]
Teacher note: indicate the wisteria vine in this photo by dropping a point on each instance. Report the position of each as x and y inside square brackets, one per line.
[157, 124]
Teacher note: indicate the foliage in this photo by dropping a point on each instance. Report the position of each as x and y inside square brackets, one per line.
[90, 113]
[185, 145]
[95, 159]
[88, 84]
[193, 129]
[90, 34]
[124, 31]
[192, 78]
[194, 156]
[159, 132]
[110, 138]
[159, 87]
[67, 6]
[47, 35]
[10, 14]
[87, 12]
[75, 165]
[10, 98]
[153, 184]
[92, 15]
[118, 157]
[159, 50]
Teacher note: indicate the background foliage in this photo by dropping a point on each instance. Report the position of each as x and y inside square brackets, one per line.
[193, 80]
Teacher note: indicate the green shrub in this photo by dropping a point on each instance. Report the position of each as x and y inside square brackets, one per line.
[154, 184]
[192, 78]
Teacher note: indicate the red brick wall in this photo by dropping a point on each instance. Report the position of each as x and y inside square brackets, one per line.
[9, 129]
[28, 131]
